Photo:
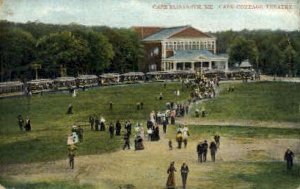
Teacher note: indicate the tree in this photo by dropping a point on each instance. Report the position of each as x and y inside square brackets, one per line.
[62, 49]
[16, 52]
[101, 52]
[127, 47]
[242, 49]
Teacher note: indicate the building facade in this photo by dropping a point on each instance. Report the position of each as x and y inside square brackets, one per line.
[179, 48]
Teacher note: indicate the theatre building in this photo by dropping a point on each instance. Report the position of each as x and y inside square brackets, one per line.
[179, 48]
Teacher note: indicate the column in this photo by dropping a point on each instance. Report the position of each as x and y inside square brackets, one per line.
[209, 65]
[193, 66]
[226, 65]
[183, 65]
[163, 50]
[201, 65]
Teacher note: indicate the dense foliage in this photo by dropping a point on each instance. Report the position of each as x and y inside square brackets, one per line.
[75, 49]
[271, 52]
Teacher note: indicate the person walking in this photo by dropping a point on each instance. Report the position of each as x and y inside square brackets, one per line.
[288, 157]
[126, 141]
[20, 122]
[71, 154]
[184, 174]
[91, 121]
[205, 148]
[213, 150]
[200, 151]
[171, 178]
[111, 130]
[118, 128]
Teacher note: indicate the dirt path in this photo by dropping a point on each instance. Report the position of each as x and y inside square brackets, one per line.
[147, 168]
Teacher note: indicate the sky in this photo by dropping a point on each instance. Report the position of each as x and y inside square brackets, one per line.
[206, 15]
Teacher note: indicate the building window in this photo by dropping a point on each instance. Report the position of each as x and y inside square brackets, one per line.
[188, 66]
[201, 45]
[186, 45]
[194, 46]
[180, 45]
[208, 45]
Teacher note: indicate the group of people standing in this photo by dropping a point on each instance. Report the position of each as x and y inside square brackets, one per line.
[97, 123]
[22, 126]
[202, 149]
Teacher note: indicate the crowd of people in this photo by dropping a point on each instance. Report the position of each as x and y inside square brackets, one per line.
[202, 88]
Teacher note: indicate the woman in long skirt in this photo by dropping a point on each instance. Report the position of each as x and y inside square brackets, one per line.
[171, 178]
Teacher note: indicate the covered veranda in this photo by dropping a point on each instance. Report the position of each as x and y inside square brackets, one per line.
[195, 60]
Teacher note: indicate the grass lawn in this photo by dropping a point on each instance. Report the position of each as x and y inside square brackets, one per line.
[51, 124]
[241, 132]
[263, 101]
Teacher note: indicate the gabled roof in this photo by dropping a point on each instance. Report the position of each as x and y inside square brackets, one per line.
[165, 33]
[179, 31]
[245, 64]
[194, 55]
[145, 31]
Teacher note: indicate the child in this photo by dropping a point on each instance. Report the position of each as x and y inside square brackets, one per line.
[170, 145]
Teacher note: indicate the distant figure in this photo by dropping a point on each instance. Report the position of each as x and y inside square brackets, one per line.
[102, 124]
[217, 140]
[118, 128]
[80, 133]
[203, 112]
[111, 130]
[91, 121]
[74, 93]
[160, 96]
[128, 127]
[288, 157]
[142, 105]
[165, 124]
[126, 141]
[170, 145]
[184, 174]
[138, 143]
[171, 178]
[213, 150]
[71, 155]
[185, 135]
[20, 122]
[179, 139]
[70, 109]
[138, 106]
[205, 148]
[27, 125]
[110, 105]
[200, 151]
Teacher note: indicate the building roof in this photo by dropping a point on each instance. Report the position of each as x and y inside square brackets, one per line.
[145, 31]
[179, 31]
[165, 33]
[245, 64]
[194, 55]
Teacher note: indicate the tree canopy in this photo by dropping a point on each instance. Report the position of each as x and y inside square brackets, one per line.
[98, 49]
